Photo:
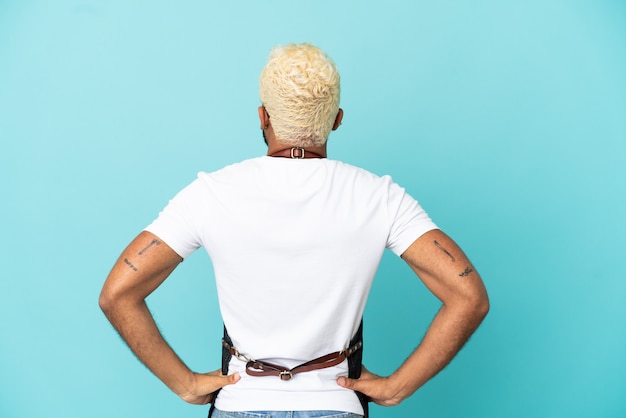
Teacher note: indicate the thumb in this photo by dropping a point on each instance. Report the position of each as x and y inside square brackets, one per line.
[216, 380]
[228, 380]
[206, 385]
[232, 378]
[348, 383]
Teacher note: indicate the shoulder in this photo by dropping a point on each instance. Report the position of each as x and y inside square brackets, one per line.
[358, 177]
[241, 166]
[359, 172]
[238, 172]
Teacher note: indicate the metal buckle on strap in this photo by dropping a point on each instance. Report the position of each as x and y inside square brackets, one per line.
[350, 350]
[261, 368]
[235, 352]
[285, 375]
[293, 154]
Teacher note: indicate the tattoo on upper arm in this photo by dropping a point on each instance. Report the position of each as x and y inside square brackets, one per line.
[153, 242]
[467, 271]
[129, 264]
[445, 251]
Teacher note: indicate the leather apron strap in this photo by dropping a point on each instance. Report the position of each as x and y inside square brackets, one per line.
[355, 360]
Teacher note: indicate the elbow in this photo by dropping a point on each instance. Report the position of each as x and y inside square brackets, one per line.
[475, 306]
[480, 306]
[115, 299]
[106, 301]
[110, 299]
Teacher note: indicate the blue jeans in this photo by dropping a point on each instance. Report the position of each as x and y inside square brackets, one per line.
[284, 414]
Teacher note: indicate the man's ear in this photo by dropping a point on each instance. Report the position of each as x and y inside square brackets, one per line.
[338, 119]
[264, 117]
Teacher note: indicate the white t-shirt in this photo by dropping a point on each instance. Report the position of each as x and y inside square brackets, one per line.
[295, 245]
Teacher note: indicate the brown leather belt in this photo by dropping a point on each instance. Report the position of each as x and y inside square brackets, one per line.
[263, 368]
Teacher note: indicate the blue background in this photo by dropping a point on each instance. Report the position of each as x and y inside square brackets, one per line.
[506, 119]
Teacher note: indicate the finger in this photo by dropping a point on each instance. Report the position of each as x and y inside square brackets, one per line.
[348, 383]
[209, 383]
[225, 380]
[369, 387]
[232, 378]
[219, 381]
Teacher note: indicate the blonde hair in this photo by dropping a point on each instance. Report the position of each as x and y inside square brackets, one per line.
[299, 88]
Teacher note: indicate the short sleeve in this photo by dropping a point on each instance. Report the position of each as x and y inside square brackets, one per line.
[409, 220]
[177, 224]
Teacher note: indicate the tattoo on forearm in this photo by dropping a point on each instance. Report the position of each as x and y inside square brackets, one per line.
[154, 241]
[445, 251]
[466, 272]
[129, 264]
